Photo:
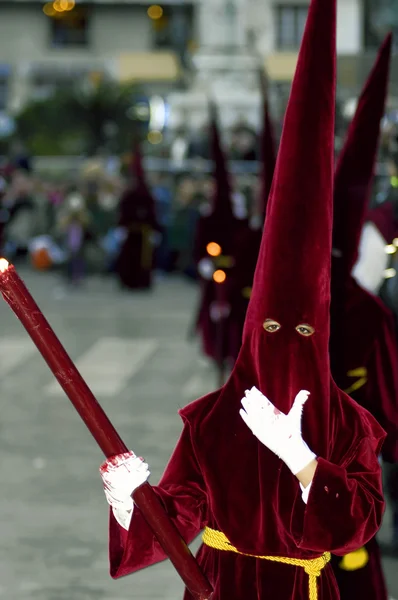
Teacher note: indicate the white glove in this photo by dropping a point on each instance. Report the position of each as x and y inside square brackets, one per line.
[121, 476]
[279, 432]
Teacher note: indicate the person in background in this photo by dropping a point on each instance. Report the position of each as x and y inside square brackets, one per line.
[137, 217]
[73, 228]
[163, 208]
[21, 207]
[183, 226]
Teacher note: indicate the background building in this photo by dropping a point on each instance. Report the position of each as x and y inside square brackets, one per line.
[44, 46]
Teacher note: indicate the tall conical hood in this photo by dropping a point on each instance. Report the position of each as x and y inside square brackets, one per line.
[293, 270]
[222, 203]
[286, 336]
[267, 150]
[137, 168]
[355, 169]
[137, 203]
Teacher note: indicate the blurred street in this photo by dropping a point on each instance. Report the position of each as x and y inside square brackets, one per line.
[134, 351]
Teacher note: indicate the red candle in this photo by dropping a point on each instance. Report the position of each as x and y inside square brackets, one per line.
[21, 302]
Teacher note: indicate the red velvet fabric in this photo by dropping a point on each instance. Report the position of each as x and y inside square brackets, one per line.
[220, 474]
[243, 245]
[384, 219]
[362, 328]
[364, 337]
[137, 214]
[364, 354]
[366, 583]
[357, 160]
[221, 340]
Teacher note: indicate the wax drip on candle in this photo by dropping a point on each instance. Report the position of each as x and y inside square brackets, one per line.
[4, 264]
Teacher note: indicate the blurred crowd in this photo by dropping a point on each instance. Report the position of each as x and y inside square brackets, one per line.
[73, 223]
[47, 222]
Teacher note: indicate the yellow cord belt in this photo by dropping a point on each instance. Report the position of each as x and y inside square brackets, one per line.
[313, 566]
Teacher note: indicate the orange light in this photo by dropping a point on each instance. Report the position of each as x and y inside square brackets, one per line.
[213, 249]
[4, 264]
[58, 5]
[49, 9]
[219, 276]
[155, 12]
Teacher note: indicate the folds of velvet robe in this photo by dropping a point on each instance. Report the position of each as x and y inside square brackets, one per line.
[364, 356]
[220, 475]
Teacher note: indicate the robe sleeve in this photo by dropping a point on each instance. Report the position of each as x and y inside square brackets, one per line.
[345, 503]
[382, 390]
[181, 490]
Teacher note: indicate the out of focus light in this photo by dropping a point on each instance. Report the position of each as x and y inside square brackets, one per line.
[58, 6]
[395, 242]
[155, 137]
[3, 265]
[157, 111]
[139, 111]
[391, 249]
[213, 249]
[49, 9]
[389, 273]
[155, 12]
[219, 276]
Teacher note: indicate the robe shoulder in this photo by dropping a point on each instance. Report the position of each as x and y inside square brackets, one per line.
[349, 415]
[194, 412]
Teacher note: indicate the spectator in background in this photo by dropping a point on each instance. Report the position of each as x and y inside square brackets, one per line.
[19, 156]
[73, 227]
[243, 142]
[179, 147]
[183, 227]
[163, 208]
[21, 207]
[199, 146]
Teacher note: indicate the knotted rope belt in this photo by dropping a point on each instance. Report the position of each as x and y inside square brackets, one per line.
[313, 566]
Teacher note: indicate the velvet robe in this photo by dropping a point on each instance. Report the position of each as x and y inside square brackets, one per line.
[364, 360]
[134, 264]
[221, 476]
[221, 340]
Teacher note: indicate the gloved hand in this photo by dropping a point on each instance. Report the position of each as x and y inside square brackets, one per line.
[279, 432]
[121, 476]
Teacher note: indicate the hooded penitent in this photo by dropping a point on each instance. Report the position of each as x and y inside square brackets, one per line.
[137, 216]
[215, 250]
[364, 355]
[220, 475]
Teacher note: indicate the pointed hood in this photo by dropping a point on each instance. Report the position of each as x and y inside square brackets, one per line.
[286, 335]
[137, 168]
[267, 150]
[137, 203]
[219, 224]
[356, 165]
[222, 202]
[384, 219]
